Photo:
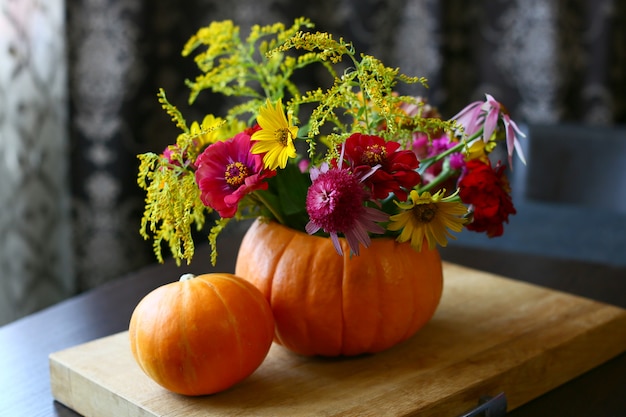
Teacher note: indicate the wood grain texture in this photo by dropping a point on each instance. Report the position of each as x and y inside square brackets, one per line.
[490, 334]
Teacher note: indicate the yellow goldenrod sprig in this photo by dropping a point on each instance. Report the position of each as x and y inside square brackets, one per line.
[234, 67]
[220, 224]
[325, 47]
[173, 112]
[173, 205]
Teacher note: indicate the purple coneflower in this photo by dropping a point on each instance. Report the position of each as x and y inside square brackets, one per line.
[486, 114]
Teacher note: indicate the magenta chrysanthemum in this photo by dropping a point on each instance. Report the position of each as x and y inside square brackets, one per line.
[335, 204]
[227, 171]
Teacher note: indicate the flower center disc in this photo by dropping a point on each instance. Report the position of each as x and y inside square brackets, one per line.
[236, 173]
[282, 136]
[374, 154]
[425, 213]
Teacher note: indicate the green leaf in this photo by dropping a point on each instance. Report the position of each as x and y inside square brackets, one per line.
[270, 206]
[288, 190]
[292, 189]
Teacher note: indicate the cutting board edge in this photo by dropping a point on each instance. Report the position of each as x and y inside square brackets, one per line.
[551, 375]
[98, 394]
[548, 377]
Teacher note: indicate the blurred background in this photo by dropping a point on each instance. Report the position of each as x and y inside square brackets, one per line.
[78, 84]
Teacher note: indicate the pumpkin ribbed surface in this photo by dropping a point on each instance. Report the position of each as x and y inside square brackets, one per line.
[326, 304]
[201, 335]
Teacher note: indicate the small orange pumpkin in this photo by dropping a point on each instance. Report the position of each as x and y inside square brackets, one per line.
[326, 304]
[202, 334]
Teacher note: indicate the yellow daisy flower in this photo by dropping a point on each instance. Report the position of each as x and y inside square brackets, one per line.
[480, 150]
[199, 136]
[428, 217]
[205, 134]
[275, 139]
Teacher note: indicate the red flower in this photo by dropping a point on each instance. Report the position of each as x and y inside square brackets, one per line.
[395, 171]
[487, 190]
[227, 171]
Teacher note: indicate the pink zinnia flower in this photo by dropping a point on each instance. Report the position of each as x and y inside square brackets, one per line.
[168, 153]
[174, 156]
[421, 145]
[425, 148]
[335, 203]
[486, 115]
[227, 171]
[395, 170]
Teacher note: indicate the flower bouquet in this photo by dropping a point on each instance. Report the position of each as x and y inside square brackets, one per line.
[352, 159]
[329, 173]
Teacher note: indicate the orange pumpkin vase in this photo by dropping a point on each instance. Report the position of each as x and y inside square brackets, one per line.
[329, 305]
[202, 334]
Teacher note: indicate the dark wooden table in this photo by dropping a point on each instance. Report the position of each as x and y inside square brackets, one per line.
[26, 343]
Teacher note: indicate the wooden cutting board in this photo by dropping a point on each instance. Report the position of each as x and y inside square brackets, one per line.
[490, 334]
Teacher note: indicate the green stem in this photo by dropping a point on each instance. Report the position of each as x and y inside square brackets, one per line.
[426, 163]
[267, 205]
[360, 86]
[439, 179]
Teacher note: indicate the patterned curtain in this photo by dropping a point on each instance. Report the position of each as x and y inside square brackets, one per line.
[84, 104]
[36, 265]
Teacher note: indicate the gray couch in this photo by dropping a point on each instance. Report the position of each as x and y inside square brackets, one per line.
[570, 197]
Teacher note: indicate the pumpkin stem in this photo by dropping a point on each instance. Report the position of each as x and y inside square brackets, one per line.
[186, 277]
